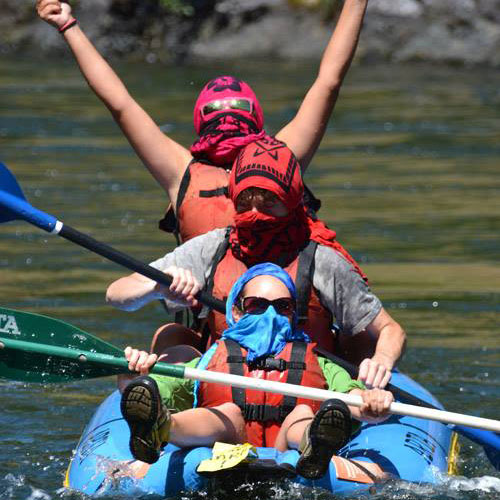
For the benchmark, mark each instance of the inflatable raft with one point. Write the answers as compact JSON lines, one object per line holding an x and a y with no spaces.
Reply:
{"x":404,"y":448}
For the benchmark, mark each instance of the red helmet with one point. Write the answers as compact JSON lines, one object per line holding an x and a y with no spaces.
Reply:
{"x":227,"y":93}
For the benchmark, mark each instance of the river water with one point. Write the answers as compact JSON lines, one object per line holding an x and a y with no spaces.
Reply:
{"x":408,"y":175}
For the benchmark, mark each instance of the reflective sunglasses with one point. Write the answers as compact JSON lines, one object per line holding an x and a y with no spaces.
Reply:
{"x":258,"y":305}
{"x":228,"y":103}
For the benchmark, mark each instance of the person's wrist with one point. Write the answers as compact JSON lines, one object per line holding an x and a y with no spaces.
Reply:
{"x":67,"y":25}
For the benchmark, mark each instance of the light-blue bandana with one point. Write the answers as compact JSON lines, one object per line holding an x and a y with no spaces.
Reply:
{"x":262,"y":334}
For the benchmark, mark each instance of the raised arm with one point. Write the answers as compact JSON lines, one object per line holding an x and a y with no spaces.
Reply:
{"x":165,"y":159}
{"x":305,"y":132}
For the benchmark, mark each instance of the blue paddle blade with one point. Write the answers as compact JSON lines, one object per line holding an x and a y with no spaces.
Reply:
{"x":8,"y":183}
{"x":14,"y":206}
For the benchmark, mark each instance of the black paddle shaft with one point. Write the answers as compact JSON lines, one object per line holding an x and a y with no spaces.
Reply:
{"x":124,"y":260}
{"x":354,"y":372}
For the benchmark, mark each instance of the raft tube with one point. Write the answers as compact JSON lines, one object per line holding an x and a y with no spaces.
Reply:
{"x":405,"y":448}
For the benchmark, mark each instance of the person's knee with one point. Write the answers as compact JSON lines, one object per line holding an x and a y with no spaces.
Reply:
{"x":233,"y":421}
{"x":303,"y":409}
{"x":300,"y":412}
{"x":232,"y":411}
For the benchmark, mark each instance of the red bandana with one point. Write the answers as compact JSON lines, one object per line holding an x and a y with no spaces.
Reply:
{"x":257,"y":237}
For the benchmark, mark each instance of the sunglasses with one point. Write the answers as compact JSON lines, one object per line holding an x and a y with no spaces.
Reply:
{"x":229,"y":103}
{"x":262,"y":196}
{"x":259,"y":305}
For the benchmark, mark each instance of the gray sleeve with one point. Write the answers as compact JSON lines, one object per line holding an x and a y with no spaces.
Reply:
{"x":343,"y":291}
{"x":197,"y":255}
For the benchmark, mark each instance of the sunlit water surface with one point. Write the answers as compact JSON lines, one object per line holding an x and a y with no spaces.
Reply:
{"x":408,"y":176}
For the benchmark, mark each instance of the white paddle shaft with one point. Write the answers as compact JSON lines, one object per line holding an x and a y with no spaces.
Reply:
{"x":350,"y":399}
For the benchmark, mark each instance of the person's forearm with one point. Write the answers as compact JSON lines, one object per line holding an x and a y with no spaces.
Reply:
{"x":131,"y":293}
{"x":390,"y":345}
{"x":304,"y":133}
{"x":342,"y":45}
{"x":165,"y":158}
{"x":100,"y":76}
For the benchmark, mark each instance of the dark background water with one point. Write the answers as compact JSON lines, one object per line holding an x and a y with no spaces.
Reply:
{"x":408,"y":175}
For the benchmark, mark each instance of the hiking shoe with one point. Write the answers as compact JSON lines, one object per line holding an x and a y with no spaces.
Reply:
{"x":147,"y":417}
{"x":328,"y":432}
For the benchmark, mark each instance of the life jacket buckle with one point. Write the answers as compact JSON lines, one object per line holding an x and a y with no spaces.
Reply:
{"x":269,"y":364}
{"x":277,"y":364}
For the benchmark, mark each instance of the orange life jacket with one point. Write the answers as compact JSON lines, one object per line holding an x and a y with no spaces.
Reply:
{"x":314,"y":318}
{"x":263,"y":412}
{"x":202,"y":202}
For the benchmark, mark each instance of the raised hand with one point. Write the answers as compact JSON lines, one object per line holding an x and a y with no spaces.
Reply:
{"x":54,"y":12}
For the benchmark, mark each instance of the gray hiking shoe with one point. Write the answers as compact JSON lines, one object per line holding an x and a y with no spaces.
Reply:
{"x":327,"y":433}
{"x":147,"y":417}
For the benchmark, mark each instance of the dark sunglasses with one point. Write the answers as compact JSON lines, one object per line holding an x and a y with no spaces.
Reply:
{"x":258,"y":305}
{"x":263,"y":196}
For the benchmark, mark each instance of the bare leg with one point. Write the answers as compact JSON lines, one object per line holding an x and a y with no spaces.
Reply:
{"x":293,"y":428}
{"x":205,"y":426}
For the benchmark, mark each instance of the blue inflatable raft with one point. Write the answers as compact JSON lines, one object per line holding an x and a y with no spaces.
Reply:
{"x":404,"y":448}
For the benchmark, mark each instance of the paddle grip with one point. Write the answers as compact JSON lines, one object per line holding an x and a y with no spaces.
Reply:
{"x":125,"y":260}
{"x":353,"y":371}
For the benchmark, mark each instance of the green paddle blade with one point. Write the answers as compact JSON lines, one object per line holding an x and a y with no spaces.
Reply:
{"x":50,"y":365}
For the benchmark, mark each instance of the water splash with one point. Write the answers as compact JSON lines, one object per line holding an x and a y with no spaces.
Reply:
{"x":488,"y":484}
{"x":120,"y":475}
{"x":37,"y":494}
{"x":447,"y":488}
{"x":261,"y":490}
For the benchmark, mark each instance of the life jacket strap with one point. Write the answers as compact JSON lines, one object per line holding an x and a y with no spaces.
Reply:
{"x":211,"y":193}
{"x":219,"y":255}
{"x":170,"y":222}
{"x":312,"y":203}
{"x":298,"y":354}
{"x":236,"y":368}
{"x":264,"y":413}
{"x":303,"y":281}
